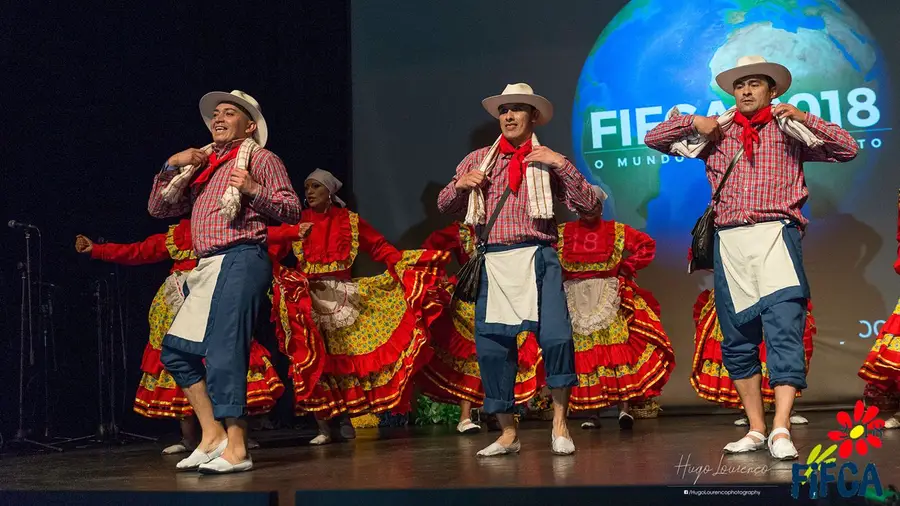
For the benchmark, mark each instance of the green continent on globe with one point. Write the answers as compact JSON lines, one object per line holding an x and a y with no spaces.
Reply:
{"x":656,"y":54}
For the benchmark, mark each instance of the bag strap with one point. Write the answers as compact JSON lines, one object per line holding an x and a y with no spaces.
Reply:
{"x":728,"y":171}
{"x":486,"y":231}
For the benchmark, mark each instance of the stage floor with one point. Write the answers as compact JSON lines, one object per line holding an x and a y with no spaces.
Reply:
{"x":436,"y":457}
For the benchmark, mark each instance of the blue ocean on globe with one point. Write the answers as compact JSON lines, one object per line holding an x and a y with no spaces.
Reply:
{"x":656,"y":54}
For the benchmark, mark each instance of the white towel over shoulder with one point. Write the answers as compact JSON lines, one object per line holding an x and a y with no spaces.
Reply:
{"x":692,"y":145}
{"x":537,"y":177}
{"x":230,"y":202}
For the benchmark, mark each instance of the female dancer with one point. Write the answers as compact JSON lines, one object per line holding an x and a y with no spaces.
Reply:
{"x":158,"y":396}
{"x":622,"y":352}
{"x":373,"y":331}
{"x":452,"y":375}
{"x":881,"y":369}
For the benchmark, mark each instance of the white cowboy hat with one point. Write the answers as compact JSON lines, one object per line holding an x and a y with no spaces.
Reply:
{"x":519,"y":93}
{"x":212,"y":99}
{"x":755,"y":65}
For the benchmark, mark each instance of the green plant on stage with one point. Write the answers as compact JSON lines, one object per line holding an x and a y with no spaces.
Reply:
{"x":429,"y":412}
{"x":388,"y":419}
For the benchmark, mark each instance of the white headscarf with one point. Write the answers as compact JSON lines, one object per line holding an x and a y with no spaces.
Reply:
{"x":330,"y":182}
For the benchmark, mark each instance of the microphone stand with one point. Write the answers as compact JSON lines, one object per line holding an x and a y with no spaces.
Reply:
{"x":49,"y":333}
{"x":21,"y":437}
{"x":109,"y":430}
{"x":26,"y":327}
{"x":101,"y":429}
{"x":115,"y":308}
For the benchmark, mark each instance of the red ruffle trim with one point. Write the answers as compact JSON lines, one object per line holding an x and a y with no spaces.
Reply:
{"x":181,"y":236}
{"x":420,"y":282}
{"x":306,"y":348}
{"x":151,"y":362}
{"x":446,"y":339}
{"x":331,"y":237}
{"x":316,"y":384}
{"x":161,"y":402}
{"x":263,"y":394}
{"x":721,"y":389}
{"x":444,"y":383}
{"x":645,"y":382}
{"x":329,"y":398}
{"x":172,"y":403}
{"x":882,"y":366}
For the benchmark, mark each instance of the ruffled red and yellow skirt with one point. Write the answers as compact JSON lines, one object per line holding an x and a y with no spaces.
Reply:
{"x":363,"y":361}
{"x":159,"y":397}
{"x":628,"y":358}
{"x":452,"y":375}
{"x":881,"y":368}
{"x":708,"y":375}
{"x":297,"y":333}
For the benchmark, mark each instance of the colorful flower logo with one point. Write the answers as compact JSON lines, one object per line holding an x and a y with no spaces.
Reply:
{"x":817,"y":457}
{"x":864,"y":429}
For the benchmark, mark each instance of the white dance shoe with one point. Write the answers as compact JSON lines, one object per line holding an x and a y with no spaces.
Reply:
{"x":221,"y":466}
{"x":198,"y":457}
{"x":752,"y":442}
{"x":562,"y":445}
{"x":782,"y":449}
{"x":179,"y":447}
{"x":467,"y":427}
{"x":321,"y":439}
{"x":496,"y":449}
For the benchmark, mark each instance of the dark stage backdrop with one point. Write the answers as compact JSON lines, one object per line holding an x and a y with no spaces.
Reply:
{"x":613,"y":69}
{"x":95,"y":99}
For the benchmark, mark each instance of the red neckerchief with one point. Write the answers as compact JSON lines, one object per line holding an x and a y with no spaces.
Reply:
{"x":214,"y":163}
{"x":517,"y":163}
{"x":750,"y":134}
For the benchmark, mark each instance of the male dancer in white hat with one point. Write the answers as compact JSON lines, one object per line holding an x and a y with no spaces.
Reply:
{"x":241,"y":186}
{"x":521,"y":286}
{"x":761,"y":287}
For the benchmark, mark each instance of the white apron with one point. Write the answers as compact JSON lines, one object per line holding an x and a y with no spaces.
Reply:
{"x":756,"y":263}
{"x":593,"y":303}
{"x":335,"y":303}
{"x":192,"y":317}
{"x":512,"y":286}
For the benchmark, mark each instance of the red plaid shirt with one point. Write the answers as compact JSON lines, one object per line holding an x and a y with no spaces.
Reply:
{"x":210,"y":231}
{"x":514,"y":225}
{"x":773,"y":186}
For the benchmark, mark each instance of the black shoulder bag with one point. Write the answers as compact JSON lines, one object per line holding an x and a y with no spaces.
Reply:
{"x":469,"y":275}
{"x":704,"y":232}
